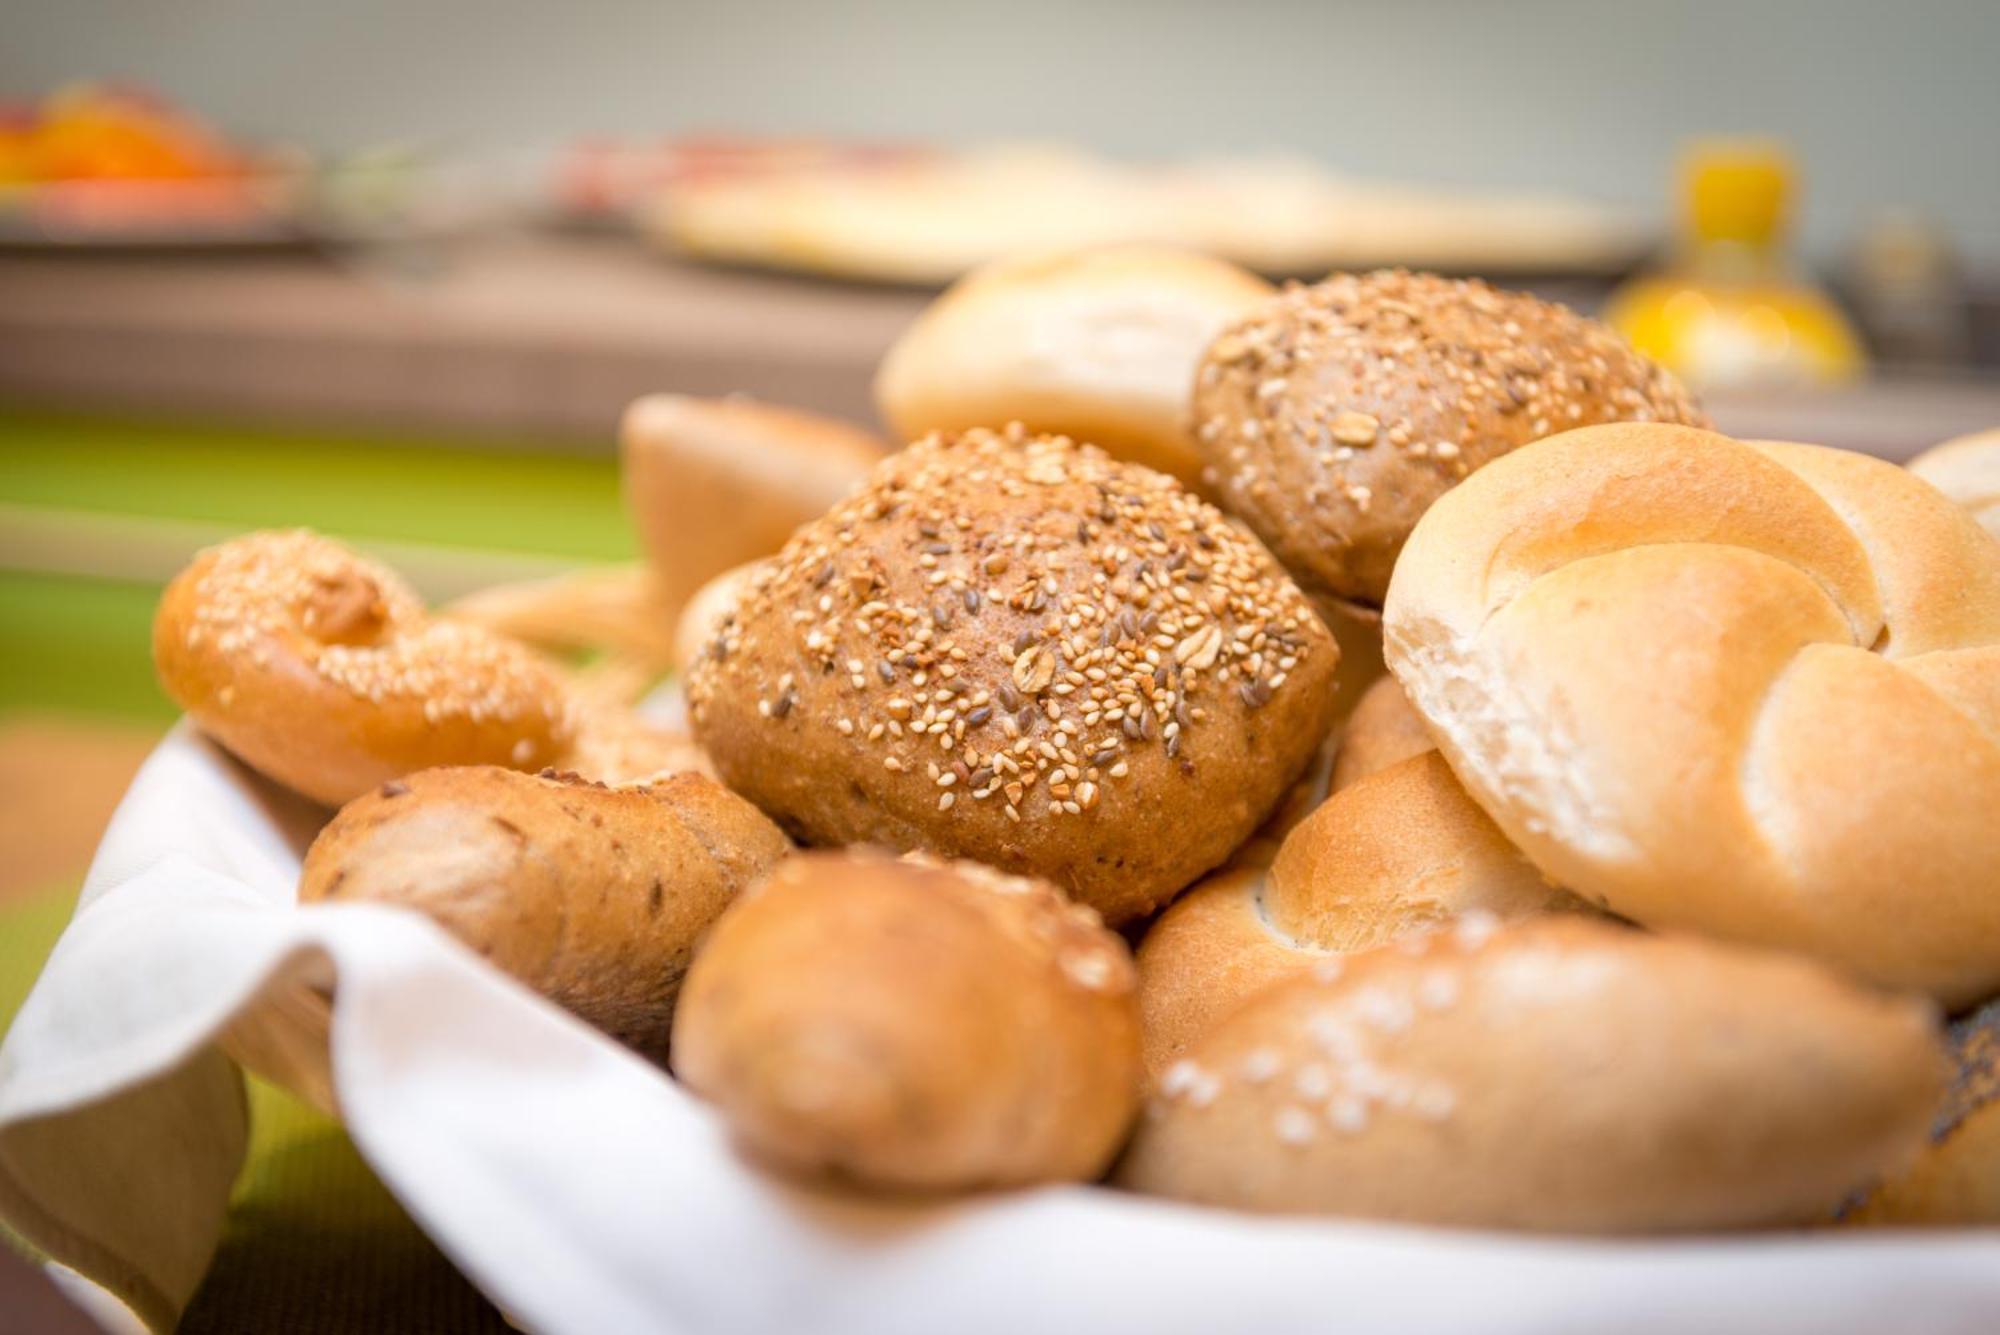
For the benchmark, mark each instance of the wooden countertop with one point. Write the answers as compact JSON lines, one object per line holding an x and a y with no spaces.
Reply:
{"x":547,"y":335}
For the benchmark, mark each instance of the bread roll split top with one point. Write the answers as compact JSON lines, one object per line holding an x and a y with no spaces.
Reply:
{"x":1012,"y":648}
{"x":1558,"y":1075}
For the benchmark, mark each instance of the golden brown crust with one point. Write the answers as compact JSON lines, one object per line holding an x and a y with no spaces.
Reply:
{"x":1014,"y":649}
{"x":593,"y":896}
{"x":322,"y":670}
{"x":1748,"y":689}
{"x":617,"y":745}
{"x":1956,"y":1178}
{"x":1382,"y":731}
{"x":1967,"y":470}
{"x":1556,"y":1075}
{"x":1332,"y":416}
{"x":712,"y":483}
{"x":914,"y":1026}
{"x":1098,"y":344}
{"x":1397,"y":852}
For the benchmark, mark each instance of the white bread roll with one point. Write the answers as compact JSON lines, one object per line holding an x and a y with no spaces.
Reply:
{"x":1098,"y":344}
{"x":1747,"y":689}
{"x":1397,"y":852}
{"x":712,"y":483}
{"x":1967,"y":470}
{"x":1382,"y":731}
{"x":913,"y":1025}
{"x":1559,"y":1075}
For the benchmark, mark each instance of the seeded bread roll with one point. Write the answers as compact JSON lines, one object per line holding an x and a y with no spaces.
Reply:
{"x":323,"y":671}
{"x":1099,"y":344}
{"x":592,"y":896}
{"x":1394,"y":853}
{"x":1562,"y":1075}
{"x":712,"y":483}
{"x":1382,"y":731}
{"x":1332,"y":416}
{"x":914,"y":1026}
{"x":1012,"y":648}
{"x":1956,"y":1178}
{"x":1967,"y":470}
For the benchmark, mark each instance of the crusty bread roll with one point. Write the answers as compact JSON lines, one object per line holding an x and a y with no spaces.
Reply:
{"x":1752,"y":690}
{"x":914,"y":1026}
{"x":1967,"y":470}
{"x":1397,"y":852}
{"x":1956,"y":1177}
{"x":712,"y":483}
{"x":1015,"y":649}
{"x":323,"y":671}
{"x":1560,"y":1075}
{"x":1100,"y":344}
{"x":615,"y":745}
{"x":704,"y":613}
{"x":1382,"y":731}
{"x":593,"y":896}
{"x":1333,"y":415}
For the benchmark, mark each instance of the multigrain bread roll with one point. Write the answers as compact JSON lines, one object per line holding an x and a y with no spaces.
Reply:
{"x":1333,"y":415}
{"x":1749,"y":690}
{"x":1099,"y":344}
{"x":1012,"y":648}
{"x":1956,"y":1177}
{"x":1563,"y":1075}
{"x":1382,"y":731}
{"x":1397,"y":852}
{"x":322,"y":670}
{"x":914,"y":1026}
{"x":712,"y":483}
{"x":593,"y":896}
{"x":1967,"y":470}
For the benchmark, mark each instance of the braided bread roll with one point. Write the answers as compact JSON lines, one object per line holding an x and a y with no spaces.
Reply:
{"x":1748,"y":689}
{"x":322,"y":670}
{"x":912,"y":1025}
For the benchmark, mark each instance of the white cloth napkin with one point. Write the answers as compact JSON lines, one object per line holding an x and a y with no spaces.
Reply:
{"x":583,"y":1191}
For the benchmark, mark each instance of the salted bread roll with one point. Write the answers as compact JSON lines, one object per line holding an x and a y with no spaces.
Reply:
{"x":1561,"y":1075}
{"x":712,"y":483}
{"x":1967,"y":470}
{"x":1397,"y":852}
{"x":914,"y":1026}
{"x":1100,"y":344}
{"x":1956,"y":1177}
{"x":1331,"y":416}
{"x":1015,"y":649}
{"x":593,"y":896}
{"x":1382,"y":731}
{"x":322,"y":670}
{"x":1751,"y":690}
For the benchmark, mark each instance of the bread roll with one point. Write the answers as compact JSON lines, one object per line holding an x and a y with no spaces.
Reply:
{"x":592,"y":896}
{"x":322,"y":670}
{"x":712,"y":483}
{"x":1397,"y":852}
{"x":1382,"y":731}
{"x":1562,"y":1075}
{"x":1100,"y":344}
{"x":914,"y":1026}
{"x":1967,"y":470}
{"x":1333,"y":415}
{"x":1012,"y":648}
{"x":1956,"y":1177}
{"x":1750,"y":690}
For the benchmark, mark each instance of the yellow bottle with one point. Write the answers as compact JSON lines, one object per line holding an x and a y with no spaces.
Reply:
{"x":1732,"y":309}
